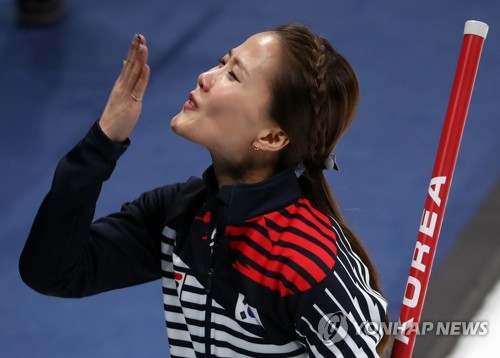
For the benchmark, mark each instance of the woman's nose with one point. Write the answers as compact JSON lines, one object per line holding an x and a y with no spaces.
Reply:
{"x":203,"y":81}
{"x":206,"y":79}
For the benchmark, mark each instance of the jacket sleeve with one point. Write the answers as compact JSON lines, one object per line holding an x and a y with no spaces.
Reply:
{"x":66,"y":254}
{"x":339,"y":317}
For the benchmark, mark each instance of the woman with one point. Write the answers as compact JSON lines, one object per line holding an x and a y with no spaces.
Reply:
{"x":255,"y":261}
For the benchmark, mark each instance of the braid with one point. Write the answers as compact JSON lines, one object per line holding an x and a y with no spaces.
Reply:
{"x":319,"y":58}
{"x":319,"y":133}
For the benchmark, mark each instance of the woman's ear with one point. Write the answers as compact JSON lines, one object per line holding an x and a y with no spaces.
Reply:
{"x":272,"y":139}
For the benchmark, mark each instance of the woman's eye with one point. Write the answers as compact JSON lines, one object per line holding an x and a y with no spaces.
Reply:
{"x":233,"y":75}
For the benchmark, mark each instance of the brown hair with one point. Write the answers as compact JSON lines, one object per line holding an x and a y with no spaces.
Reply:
{"x":316,"y":93}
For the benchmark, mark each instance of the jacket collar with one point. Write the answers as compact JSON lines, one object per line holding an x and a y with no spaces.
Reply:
{"x":246,"y":201}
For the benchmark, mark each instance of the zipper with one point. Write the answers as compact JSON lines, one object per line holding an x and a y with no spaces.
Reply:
{"x":208,"y":312}
{"x":208,"y":285}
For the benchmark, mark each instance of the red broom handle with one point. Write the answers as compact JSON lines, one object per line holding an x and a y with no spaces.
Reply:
{"x":442,"y":175}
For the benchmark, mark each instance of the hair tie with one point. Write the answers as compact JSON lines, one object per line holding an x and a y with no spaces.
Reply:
{"x":328,"y":164}
{"x":331,"y":162}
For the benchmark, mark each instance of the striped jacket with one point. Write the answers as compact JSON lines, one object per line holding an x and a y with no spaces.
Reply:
{"x":247,"y":270}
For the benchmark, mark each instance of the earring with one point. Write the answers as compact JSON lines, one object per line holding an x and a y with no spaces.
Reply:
{"x":255,"y":147}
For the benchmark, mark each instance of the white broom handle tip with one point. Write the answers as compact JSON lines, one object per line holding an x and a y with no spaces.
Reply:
{"x":473,"y":27}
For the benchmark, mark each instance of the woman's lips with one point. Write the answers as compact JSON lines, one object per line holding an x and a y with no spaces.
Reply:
{"x":191,"y":103}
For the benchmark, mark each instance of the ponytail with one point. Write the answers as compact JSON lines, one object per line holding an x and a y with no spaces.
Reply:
{"x":315,"y":96}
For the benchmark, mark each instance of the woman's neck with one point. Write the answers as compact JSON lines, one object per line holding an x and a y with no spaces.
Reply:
{"x":227,"y":175}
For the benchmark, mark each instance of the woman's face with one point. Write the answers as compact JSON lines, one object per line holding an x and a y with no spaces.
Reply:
{"x":228,"y":109}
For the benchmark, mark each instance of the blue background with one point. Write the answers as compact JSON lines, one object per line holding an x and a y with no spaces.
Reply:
{"x":55,"y":82}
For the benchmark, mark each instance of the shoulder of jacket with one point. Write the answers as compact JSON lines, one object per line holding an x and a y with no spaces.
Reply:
{"x":186,"y":203}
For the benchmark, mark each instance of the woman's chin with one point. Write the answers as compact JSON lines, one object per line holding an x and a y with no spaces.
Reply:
{"x":178,"y":123}
{"x":183,"y":126}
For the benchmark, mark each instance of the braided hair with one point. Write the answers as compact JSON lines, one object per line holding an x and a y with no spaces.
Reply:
{"x":315,"y":96}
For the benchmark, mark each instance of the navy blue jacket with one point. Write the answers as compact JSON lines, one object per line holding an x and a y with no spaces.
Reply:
{"x":247,"y":270}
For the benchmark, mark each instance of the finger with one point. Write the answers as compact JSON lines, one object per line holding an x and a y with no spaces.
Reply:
{"x":134,"y":49}
{"x":142,"y":83}
{"x":142,"y":39}
{"x":136,"y":71}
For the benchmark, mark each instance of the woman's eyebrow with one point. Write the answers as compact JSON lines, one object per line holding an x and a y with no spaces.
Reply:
{"x":237,"y":61}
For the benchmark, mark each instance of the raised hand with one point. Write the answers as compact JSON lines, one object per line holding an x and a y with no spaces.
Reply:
{"x":125,"y":101}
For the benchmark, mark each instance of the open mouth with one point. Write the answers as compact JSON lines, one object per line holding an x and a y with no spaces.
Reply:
{"x":192,"y":101}
{"x":190,"y":104}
